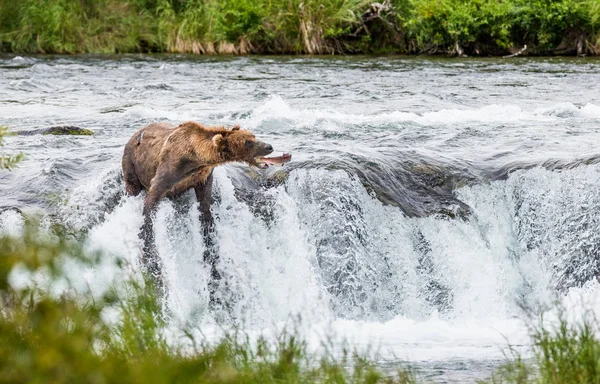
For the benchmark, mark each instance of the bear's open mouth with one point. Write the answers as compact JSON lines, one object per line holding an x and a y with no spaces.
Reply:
{"x":263,"y":161}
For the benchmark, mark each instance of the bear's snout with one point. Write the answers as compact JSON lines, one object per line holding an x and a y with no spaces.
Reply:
{"x":263,"y":149}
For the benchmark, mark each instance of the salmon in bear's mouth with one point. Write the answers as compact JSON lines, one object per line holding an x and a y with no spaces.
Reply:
{"x":263,"y":161}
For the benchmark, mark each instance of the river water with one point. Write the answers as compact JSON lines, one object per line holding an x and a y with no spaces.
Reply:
{"x":429,"y":205}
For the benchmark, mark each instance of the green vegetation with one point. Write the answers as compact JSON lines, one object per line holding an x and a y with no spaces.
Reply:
{"x":563,"y":353}
{"x":547,"y":26}
{"x":472,"y":27}
{"x":7,"y":162}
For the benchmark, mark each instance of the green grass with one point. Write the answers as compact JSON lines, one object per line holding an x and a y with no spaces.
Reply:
{"x":563,"y":352}
{"x":479,"y":27}
{"x":8,"y":161}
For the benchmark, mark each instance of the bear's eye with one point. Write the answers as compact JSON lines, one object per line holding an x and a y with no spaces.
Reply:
{"x":248,"y":144}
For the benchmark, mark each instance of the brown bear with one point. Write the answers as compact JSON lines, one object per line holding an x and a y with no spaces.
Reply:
{"x":167,"y":161}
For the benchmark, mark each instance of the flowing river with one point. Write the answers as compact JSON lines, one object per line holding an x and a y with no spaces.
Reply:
{"x":430,"y":203}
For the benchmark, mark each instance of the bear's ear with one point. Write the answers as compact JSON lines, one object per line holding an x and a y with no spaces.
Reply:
{"x":218,"y":140}
{"x":235,"y":128}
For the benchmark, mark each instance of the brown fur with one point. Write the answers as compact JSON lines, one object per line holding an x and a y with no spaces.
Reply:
{"x":167,"y":161}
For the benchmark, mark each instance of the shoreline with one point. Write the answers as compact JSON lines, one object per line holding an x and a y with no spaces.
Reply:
{"x":455,"y":28}
{"x":290,"y":56}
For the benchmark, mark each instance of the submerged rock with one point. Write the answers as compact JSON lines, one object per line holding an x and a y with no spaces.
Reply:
{"x":9,"y":208}
{"x":58,"y":130}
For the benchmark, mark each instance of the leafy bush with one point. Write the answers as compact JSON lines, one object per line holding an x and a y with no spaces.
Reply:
{"x":295,"y":26}
{"x":237,"y":19}
{"x":545,"y":22}
{"x":9,"y":16}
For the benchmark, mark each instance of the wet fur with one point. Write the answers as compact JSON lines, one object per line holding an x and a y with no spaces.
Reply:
{"x":166,"y":161}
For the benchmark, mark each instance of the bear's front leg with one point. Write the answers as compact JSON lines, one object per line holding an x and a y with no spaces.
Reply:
{"x":211,"y":255}
{"x":161,"y":183}
{"x":204,"y":197}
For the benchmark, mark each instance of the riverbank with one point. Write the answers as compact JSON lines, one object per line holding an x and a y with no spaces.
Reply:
{"x":447,"y":27}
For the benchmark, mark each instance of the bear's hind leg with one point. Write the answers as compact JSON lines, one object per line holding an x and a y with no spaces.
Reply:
{"x":133,"y":186}
{"x":150,"y":258}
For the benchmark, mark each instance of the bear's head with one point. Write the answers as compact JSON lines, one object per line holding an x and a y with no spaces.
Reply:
{"x":241,"y":145}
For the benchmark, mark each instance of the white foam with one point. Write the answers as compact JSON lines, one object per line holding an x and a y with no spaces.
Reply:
{"x":11,"y":223}
{"x":179,"y":242}
{"x":435,"y":339}
{"x":277,"y":108}
{"x":269,"y":264}
{"x":169,"y":113}
{"x":566,"y":110}
{"x":591,"y":110}
{"x":86,"y":203}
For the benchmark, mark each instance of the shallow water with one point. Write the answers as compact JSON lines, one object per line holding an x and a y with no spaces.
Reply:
{"x":428,"y":200}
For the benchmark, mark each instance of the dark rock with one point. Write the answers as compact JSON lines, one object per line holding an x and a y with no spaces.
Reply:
{"x":10,"y":208}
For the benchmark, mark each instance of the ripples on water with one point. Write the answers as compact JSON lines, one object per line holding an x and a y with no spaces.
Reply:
{"x":427,"y":200}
